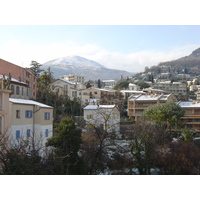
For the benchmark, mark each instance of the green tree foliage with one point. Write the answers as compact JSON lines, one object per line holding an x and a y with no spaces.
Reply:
{"x":66,"y":144}
{"x":142,"y":84}
{"x":36,"y":68}
{"x":165,"y":114}
{"x":122,"y":84}
{"x":143,"y":147}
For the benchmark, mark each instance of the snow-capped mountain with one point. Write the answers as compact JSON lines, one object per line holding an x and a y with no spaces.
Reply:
{"x":81,"y":66}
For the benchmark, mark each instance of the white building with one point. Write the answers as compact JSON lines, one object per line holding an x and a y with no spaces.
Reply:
{"x":106,"y":117}
{"x":109,"y":83}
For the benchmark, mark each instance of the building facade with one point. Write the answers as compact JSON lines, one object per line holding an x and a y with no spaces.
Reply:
{"x":106,"y":117}
{"x":73,"y":78}
{"x":30,"y":120}
{"x":138,"y":103}
{"x":21,"y":74}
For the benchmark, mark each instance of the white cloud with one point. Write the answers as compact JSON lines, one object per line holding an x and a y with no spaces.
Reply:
{"x":14,"y":52}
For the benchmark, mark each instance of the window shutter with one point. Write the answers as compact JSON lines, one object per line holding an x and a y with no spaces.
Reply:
{"x":26,"y":113}
{"x":46,"y":132}
{"x":17,"y":134}
{"x":28,"y":132}
{"x":31,"y":113}
{"x":48,"y":115}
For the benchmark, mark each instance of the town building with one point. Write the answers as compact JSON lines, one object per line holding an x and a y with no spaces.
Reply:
{"x":134,"y":87}
{"x":67,"y":89}
{"x":105,"y":117}
{"x":4,"y":116}
{"x":104,"y":96}
{"x":18,"y":88}
{"x":138,"y":103}
{"x":21,"y":74}
{"x":30,"y":120}
{"x":177,"y":88}
{"x":109,"y":83}
{"x":192,"y":114}
{"x":73,"y":78}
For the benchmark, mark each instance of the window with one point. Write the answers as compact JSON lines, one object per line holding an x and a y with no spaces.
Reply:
{"x":17,"y":90}
{"x":17,"y":114}
{"x":46,"y":132}
{"x":26,"y":91}
{"x":28,"y":113}
{"x":47,"y":116}
{"x":107,"y":125}
{"x":89,"y":116}
{"x":90,"y":125}
{"x":28,"y":133}
{"x":12,"y":89}
{"x":107,"y":116}
{"x":116,"y":116}
{"x":17,"y":134}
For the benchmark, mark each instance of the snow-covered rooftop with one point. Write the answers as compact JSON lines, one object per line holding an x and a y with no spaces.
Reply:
{"x":67,"y":81}
{"x":186,"y":104}
{"x":94,"y":107}
{"x":149,"y":97}
{"x":133,"y":91}
{"x":13,"y":80}
{"x":28,"y":102}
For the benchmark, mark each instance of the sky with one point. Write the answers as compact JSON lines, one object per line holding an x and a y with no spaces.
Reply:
{"x":124,"y":47}
{"x":117,"y":34}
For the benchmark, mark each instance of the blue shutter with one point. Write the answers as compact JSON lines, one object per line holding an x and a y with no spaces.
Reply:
{"x":17,"y":134}
{"x":31,"y":113}
{"x":28,"y":133}
{"x":47,"y":133}
{"x":26,"y":113}
{"x":48,"y":115}
{"x":44,"y":116}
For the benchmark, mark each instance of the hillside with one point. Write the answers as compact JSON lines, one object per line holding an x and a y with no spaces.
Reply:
{"x":81,"y":66}
{"x":188,"y":64}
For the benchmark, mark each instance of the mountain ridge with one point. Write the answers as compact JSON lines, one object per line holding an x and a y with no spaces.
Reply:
{"x":78,"y":65}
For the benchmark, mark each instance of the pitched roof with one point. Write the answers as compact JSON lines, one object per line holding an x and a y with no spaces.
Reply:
{"x":94,"y":107}
{"x":29,"y":102}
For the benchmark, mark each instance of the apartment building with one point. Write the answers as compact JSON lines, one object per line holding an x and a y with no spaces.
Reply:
{"x":21,"y":74}
{"x":30,"y":120}
{"x":138,"y":103}
{"x":106,"y":117}
{"x":177,"y":88}
{"x":73,"y":78}
{"x":192,"y":113}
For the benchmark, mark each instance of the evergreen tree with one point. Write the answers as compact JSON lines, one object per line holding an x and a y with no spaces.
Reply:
{"x":66,"y":143}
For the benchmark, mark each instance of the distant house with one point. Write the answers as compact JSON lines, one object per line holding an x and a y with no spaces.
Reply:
{"x":132,"y":86}
{"x":109,"y":83}
{"x":31,"y":120}
{"x":105,"y":96}
{"x":73,"y":78}
{"x":66,"y":88}
{"x":106,"y":117}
